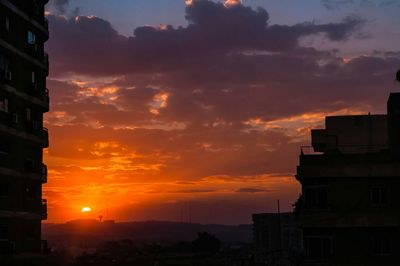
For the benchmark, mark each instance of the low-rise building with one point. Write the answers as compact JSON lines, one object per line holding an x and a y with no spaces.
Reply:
{"x":277,"y":239}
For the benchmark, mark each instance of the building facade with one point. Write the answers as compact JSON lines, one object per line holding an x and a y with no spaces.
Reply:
{"x":276,"y":238}
{"x":23,"y":101}
{"x":350,"y":178}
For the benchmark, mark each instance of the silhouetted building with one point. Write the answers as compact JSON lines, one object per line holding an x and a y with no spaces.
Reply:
{"x":23,"y":100}
{"x":277,"y":239}
{"x":350,"y":202}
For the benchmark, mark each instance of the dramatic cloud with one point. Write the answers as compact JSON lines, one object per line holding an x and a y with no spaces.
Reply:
{"x":63,"y":8}
{"x":214,"y":32}
{"x":212,"y":111}
{"x":60,"y":5}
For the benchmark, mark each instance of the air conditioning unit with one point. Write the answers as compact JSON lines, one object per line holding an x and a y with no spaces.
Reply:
{"x":15,"y":118}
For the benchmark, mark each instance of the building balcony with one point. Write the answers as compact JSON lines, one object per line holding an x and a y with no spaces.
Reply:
{"x":37,"y":91}
{"x":46,"y":23}
{"x":44,"y":209}
{"x":44,"y":174}
{"x":45,"y":137}
{"x":46,"y":95}
{"x":343,"y":149}
{"x":46,"y":62}
{"x":33,"y":126}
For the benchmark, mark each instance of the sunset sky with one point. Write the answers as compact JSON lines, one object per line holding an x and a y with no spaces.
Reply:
{"x":196,"y":110}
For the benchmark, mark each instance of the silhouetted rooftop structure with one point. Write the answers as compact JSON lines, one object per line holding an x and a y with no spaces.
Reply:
{"x":350,"y":178}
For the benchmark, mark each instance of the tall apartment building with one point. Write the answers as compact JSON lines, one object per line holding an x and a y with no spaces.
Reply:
{"x":23,"y":100}
{"x":349,"y":211}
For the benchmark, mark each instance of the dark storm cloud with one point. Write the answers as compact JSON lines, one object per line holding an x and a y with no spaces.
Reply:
{"x":89,"y":45}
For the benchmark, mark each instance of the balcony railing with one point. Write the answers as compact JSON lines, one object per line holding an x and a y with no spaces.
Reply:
{"x":345,"y":149}
{"x":46,"y":137}
{"x":46,"y":95}
{"x":46,"y":62}
{"x":44,"y":209}
{"x":44,"y":174}
{"x":46,"y":23}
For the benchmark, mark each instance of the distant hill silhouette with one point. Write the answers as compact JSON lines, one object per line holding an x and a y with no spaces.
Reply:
{"x":89,"y":233}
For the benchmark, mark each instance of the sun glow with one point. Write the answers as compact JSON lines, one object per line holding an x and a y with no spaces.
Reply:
{"x":86,"y":209}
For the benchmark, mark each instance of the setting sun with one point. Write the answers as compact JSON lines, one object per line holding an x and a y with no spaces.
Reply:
{"x":86,"y":209}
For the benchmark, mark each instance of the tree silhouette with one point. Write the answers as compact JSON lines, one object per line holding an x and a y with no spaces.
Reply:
{"x":206,"y":242}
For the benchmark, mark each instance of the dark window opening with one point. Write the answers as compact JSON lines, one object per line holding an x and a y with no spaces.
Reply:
{"x":379,"y":195}
{"x":5,"y":148}
{"x":4,"y":104}
{"x":6,"y":23}
{"x":316,"y":197}
{"x":318,"y":247}
{"x":31,"y":231}
{"x":35,"y":7}
{"x":381,"y":244}
{"x":5,"y":73}
{"x":3,"y":233}
{"x":4,"y":190}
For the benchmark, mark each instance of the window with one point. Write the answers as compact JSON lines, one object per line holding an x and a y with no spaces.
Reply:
{"x":5,"y":73}
{"x":31,"y":38}
{"x":381,"y":244}
{"x":4,"y":105}
{"x":35,"y":7}
{"x":318,"y":247}
{"x":33,"y":77}
{"x":3,"y":233}
{"x":316,"y":196}
{"x":28,"y":114}
{"x":31,"y":231}
{"x":7,"y":23}
{"x":4,"y":148}
{"x":4,"y":190}
{"x":379,"y":195}
{"x":4,"y":63}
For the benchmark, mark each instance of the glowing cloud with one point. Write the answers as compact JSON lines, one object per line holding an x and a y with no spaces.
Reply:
{"x":230,"y":3}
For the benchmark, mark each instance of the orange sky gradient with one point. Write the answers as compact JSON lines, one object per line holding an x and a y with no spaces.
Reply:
{"x":201,"y":120}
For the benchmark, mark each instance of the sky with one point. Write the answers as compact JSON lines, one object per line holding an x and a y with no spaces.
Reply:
{"x":196,"y":110}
